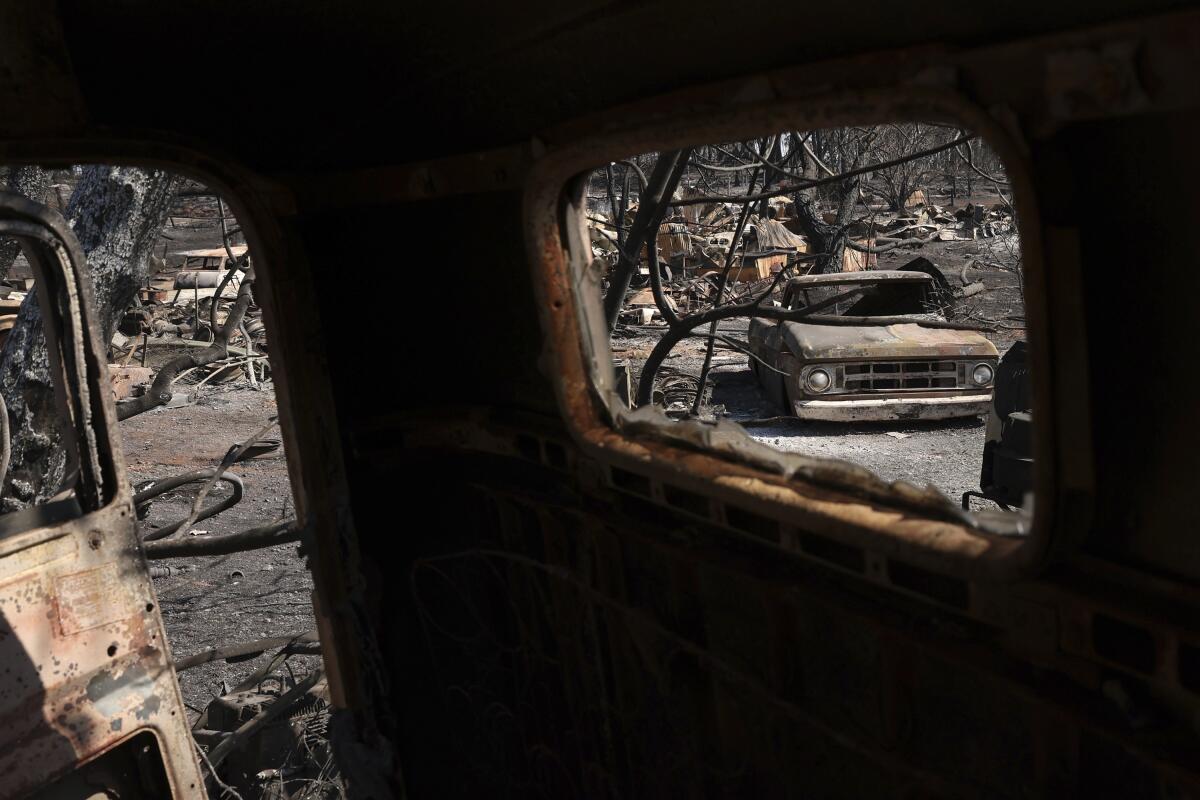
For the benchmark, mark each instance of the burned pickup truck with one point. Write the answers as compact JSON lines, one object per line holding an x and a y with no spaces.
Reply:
{"x":877,"y":348}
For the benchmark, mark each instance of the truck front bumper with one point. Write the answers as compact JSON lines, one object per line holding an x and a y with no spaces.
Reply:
{"x":893,"y":408}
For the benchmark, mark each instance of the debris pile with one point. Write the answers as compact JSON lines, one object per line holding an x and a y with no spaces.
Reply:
{"x":675,"y":390}
{"x":693,"y":245}
{"x":267,"y":737}
{"x":188,"y":305}
{"x":925,"y":223}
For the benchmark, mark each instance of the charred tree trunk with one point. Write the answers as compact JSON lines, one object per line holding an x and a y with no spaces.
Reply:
{"x":825,"y":237}
{"x":822,"y":237}
{"x":771,"y":175}
{"x":117,"y":214}
{"x":31,"y":182}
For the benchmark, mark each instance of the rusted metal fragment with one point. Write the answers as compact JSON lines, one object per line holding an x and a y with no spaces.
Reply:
{"x":85,"y":659}
{"x":90,"y":598}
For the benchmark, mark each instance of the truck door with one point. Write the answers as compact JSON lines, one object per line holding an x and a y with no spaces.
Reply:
{"x":89,"y":706}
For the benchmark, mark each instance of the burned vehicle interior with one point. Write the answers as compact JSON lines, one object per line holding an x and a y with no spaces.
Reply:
{"x":467,"y":409}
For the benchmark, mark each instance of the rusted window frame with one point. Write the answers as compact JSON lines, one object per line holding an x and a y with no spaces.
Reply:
{"x":878,"y":528}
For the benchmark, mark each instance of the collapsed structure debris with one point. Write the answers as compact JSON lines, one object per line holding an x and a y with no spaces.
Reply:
{"x":201,"y":300}
{"x":691,"y":247}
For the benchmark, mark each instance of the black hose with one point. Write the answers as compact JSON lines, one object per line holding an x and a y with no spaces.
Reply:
{"x":167,"y":484}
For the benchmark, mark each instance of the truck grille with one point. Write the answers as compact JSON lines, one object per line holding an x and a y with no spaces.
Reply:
{"x":879,"y":376}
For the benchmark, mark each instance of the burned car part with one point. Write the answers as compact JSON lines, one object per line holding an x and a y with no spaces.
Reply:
{"x":1006,"y":477}
{"x":886,"y":361}
{"x":266,"y":738}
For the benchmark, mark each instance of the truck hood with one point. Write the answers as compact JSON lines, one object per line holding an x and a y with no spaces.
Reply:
{"x":907,"y":340}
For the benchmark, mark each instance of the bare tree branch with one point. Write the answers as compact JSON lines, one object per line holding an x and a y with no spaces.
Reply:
{"x":790,"y":188}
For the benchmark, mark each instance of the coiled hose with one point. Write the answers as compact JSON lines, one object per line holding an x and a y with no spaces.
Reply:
{"x":167,"y":484}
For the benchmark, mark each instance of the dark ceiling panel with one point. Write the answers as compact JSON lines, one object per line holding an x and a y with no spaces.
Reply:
{"x":359,"y":83}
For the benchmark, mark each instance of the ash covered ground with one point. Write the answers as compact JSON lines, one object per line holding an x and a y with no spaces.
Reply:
{"x":221,"y":600}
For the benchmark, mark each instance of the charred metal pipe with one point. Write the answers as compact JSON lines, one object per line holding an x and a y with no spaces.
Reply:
{"x":288,"y":701}
{"x":160,"y":571}
{"x":167,"y":484}
{"x":203,"y":279}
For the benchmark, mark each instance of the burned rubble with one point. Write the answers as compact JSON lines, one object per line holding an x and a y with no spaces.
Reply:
{"x":708,"y":270}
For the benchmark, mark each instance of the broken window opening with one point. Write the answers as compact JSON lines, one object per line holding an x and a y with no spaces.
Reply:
{"x":171,"y":282}
{"x":841,"y":295}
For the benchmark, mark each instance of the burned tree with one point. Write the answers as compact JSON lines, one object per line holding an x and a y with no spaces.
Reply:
{"x":898,"y":182}
{"x":653,"y":205}
{"x":116,"y":213}
{"x":27,"y":181}
{"x":846,"y":149}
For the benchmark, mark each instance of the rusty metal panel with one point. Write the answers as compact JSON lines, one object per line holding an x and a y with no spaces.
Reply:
{"x":86,"y":664}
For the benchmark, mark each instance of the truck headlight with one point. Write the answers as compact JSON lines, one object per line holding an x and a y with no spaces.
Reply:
{"x":818,"y":381}
{"x":981,"y":375}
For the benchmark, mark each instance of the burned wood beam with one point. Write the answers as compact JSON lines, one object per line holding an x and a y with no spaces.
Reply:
{"x":239,"y":652}
{"x":255,"y":538}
